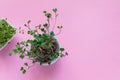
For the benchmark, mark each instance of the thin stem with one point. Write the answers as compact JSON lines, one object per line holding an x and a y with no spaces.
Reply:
{"x":28,"y":26}
{"x":58,"y":32}
{"x":31,"y":66}
{"x":48,"y":25}
{"x":51,"y":49}
{"x":40,"y":50}
{"x":55,"y":21}
{"x":37,"y":29}
{"x":24,"y":47}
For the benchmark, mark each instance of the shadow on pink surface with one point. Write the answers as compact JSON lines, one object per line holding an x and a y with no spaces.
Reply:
{"x":51,"y":70}
{"x":37,"y":71}
{"x":4,"y":52}
{"x":45,"y":72}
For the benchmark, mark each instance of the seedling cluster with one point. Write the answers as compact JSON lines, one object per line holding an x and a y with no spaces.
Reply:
{"x":6,"y":32}
{"x":44,"y":47}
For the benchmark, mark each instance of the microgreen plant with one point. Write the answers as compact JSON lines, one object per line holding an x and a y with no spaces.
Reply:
{"x":6,"y":32}
{"x":44,"y":47}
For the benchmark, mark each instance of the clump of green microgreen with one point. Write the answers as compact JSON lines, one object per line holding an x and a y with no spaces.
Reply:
{"x":6,"y":32}
{"x":44,"y":48}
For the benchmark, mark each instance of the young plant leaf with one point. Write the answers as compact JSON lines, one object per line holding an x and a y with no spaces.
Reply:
{"x":55,"y":10}
{"x":16,"y":51}
{"x":21,"y":56}
{"x":52,"y":33}
{"x":62,"y":49}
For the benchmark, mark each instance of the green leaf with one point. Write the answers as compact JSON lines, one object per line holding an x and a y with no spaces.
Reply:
{"x":62,"y":55}
{"x":16,"y":51}
{"x":29,"y":41}
{"x":48,"y":15}
{"x":52,"y":33}
{"x":21,"y":56}
{"x":59,"y":27}
{"x":61,"y":49}
{"x":54,"y":40}
{"x":45,"y":25}
{"x":32,"y":32}
{"x":42,"y":59}
{"x":46,"y":36}
{"x":55,"y":10}
{"x":29,"y":21}
{"x":40,"y":62}
{"x":19,"y":49}
{"x":28,"y":53}
{"x":10,"y":54}
{"x":56,"y":55}
{"x":21,"y":68}
{"x":66,"y":53}
{"x":24,"y":71}
{"x":34,"y":41}
{"x":25,"y":25}
{"x":42,"y":44}
{"x":49,"y":63}
{"x":26,"y":64}
{"x":44,"y":11}
{"x":33,"y":61}
{"x":43,"y":30}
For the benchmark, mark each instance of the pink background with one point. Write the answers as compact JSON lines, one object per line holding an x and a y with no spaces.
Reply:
{"x":91,"y":35}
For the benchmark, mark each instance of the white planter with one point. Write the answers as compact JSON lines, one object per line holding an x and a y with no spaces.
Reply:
{"x":52,"y":62}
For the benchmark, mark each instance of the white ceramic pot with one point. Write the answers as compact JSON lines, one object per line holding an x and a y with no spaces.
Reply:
{"x":52,"y":62}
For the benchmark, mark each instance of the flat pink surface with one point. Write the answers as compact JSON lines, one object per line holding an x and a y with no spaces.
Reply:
{"x":91,"y":35}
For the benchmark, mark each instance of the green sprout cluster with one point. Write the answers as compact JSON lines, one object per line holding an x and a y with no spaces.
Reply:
{"x":6,"y":32}
{"x":44,"y":47}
